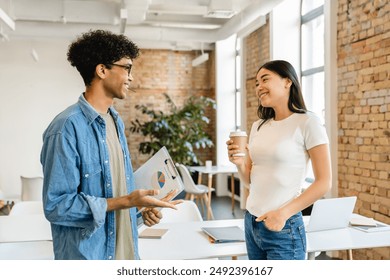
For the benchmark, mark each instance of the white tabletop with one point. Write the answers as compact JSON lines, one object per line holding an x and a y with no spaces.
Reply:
{"x":31,"y":250}
{"x":345,"y":239}
{"x":188,"y":241}
{"x":25,"y":237}
{"x":21,"y":228}
{"x":214,"y":169}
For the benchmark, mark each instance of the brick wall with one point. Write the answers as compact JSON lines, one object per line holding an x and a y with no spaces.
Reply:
{"x":363,"y":46}
{"x":163,"y":71}
{"x":257,"y":52}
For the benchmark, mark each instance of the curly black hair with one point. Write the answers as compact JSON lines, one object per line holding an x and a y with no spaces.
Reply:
{"x":99,"y":47}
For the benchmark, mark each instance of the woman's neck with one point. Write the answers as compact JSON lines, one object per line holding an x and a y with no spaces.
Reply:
{"x":282,"y":114}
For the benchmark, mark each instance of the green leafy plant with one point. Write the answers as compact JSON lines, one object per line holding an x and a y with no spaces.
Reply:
{"x":180,"y":130}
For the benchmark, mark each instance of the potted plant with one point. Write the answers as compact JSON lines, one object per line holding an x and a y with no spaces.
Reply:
{"x":180,"y":130}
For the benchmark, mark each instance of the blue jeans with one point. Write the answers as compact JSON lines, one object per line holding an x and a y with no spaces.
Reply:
{"x":264,"y":244}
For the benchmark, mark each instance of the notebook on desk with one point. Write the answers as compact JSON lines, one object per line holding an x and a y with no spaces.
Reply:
{"x":331,"y":213}
{"x":225,"y":234}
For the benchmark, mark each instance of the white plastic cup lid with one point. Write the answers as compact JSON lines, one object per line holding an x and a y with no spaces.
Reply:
{"x":237,"y":133}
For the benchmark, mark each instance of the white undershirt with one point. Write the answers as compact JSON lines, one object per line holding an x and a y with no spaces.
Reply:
{"x":279,"y":154}
{"x":124,"y":247}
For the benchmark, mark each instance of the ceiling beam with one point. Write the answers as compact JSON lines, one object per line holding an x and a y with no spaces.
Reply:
{"x":7,"y":19}
{"x":68,"y":20}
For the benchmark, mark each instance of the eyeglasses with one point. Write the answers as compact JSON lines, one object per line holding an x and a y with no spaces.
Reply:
{"x":127,"y":67}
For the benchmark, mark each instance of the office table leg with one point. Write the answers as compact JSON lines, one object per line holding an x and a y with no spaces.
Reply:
{"x":209,"y":184}
{"x":199,"y":178}
{"x":349,"y":253}
{"x":210,"y":214}
{"x":311,"y":255}
{"x":233,"y":191}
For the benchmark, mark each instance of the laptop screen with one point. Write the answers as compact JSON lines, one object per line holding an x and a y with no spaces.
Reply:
{"x":331,"y":213}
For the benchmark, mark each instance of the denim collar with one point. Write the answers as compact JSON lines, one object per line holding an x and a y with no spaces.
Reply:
{"x":90,"y":113}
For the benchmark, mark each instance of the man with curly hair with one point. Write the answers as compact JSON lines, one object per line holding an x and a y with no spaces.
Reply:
{"x":89,"y":195}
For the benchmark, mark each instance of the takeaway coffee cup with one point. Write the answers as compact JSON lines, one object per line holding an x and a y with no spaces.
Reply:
{"x":239,"y":138}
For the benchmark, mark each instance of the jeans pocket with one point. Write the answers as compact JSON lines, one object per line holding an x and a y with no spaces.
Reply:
{"x":285,"y":230}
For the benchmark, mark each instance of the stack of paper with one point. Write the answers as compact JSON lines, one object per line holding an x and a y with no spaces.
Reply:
{"x":368,"y":224}
{"x":362,"y":221}
{"x":154,"y":233}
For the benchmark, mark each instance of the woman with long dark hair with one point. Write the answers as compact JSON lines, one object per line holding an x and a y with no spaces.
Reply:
{"x":281,"y":144}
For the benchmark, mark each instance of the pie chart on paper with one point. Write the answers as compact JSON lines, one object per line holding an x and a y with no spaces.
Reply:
{"x":160,"y":179}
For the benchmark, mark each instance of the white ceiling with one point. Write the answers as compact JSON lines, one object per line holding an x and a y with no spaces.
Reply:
{"x":171,"y":24}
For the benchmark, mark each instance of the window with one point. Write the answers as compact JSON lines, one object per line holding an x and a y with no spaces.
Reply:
{"x":312,"y":55}
{"x":238,"y":92}
{"x":312,"y":59}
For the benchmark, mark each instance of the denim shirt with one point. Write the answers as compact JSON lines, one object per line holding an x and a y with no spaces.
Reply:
{"x":77,"y":182}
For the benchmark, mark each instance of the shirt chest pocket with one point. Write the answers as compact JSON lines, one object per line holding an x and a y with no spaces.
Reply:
{"x":91,"y":179}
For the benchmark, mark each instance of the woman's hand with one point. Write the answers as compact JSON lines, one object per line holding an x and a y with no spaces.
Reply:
{"x":233,"y":149}
{"x":273,"y":220}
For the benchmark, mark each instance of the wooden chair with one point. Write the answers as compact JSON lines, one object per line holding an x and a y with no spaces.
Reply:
{"x":196,"y":192}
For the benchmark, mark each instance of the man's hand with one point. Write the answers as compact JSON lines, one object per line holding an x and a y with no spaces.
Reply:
{"x":151,"y":216}
{"x":142,"y":199}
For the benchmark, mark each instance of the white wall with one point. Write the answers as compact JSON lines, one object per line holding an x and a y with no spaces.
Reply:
{"x":32,"y":93}
{"x":285,"y":33}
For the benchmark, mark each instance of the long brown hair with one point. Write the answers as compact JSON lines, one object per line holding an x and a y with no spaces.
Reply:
{"x":296,"y":103}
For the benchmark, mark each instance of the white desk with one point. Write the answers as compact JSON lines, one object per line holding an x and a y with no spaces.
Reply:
{"x":20,"y":228}
{"x":344,"y":239}
{"x":25,"y":237}
{"x":187,"y":241}
{"x":231,"y":169}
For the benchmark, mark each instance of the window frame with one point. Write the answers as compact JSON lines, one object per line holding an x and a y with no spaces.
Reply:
{"x":306,"y":19}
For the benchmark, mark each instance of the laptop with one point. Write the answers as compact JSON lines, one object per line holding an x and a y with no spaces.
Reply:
{"x":331,"y":213}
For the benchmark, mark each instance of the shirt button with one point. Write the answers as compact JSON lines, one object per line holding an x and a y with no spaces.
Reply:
{"x":111,"y":232}
{"x":86,"y":175}
{"x":108,"y":185}
{"x":106,"y":161}
{"x":109,"y":257}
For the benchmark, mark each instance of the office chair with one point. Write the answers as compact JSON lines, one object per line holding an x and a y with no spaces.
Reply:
{"x":194,"y":191}
{"x":32,"y":188}
{"x":186,"y":212}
